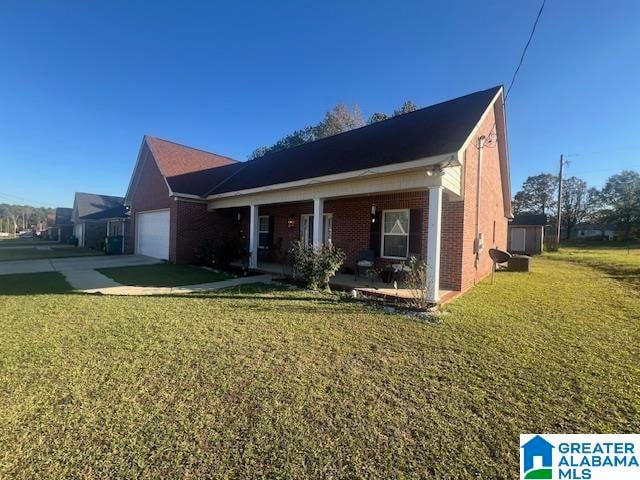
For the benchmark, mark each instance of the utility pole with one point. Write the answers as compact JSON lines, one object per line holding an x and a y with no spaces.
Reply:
{"x":558,"y":217}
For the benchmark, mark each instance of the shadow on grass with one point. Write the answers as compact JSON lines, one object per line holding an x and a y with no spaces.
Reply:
{"x":45,"y":283}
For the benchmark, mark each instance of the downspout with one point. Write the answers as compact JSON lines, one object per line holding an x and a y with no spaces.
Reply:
{"x":478,"y":243}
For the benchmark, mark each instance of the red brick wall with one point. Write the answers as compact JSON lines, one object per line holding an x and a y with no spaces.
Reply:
{"x":191,"y":226}
{"x":491,"y":208}
{"x":150,"y":192}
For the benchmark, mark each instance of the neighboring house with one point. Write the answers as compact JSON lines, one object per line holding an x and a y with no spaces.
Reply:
{"x":589,"y":231}
{"x":61,"y":228}
{"x":526,"y":233}
{"x":432,"y":183}
{"x":96,"y":217}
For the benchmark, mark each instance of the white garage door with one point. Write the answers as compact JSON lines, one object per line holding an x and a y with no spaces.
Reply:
{"x":152,"y":234}
{"x":78,"y":233}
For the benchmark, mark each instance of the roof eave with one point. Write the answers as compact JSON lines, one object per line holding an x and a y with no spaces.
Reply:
{"x":447,"y":159}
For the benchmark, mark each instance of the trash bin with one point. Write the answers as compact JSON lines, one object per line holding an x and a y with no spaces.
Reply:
{"x":519,"y":263}
{"x":114,"y":245}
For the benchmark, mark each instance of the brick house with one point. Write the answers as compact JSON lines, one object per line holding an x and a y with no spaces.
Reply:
{"x":432,"y":183}
{"x":96,"y":217}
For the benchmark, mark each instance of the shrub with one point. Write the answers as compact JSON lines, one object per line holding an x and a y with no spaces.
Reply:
{"x":415,"y":279}
{"x":221,"y":252}
{"x":318,"y":265}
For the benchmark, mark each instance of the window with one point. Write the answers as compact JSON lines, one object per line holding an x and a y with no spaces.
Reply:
{"x":395,"y":233}
{"x":263,"y":231}
{"x":306,"y":228}
{"x":115,"y":229}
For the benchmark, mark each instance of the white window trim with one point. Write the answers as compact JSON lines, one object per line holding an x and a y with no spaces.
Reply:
{"x":382,"y":234}
{"x":260,"y":218}
{"x":308,"y":217}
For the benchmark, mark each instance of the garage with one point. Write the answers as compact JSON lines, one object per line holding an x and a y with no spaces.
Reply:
{"x":152,"y":234}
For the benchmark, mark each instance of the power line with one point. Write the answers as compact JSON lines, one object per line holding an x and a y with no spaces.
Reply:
{"x":490,"y":143}
{"x":600,"y":152}
{"x":14,"y":198}
{"x":524,"y":51}
{"x":619,"y":168}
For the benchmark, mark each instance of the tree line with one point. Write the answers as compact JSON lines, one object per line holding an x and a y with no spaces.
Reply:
{"x":337,"y":120}
{"x":15,"y":218}
{"x":616,"y":204}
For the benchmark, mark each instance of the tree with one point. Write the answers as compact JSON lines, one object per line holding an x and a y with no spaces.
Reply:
{"x":21,"y":217}
{"x":578,"y":202}
{"x":406,"y":107}
{"x":537,"y":194}
{"x":621,"y":200}
{"x":377,"y":117}
{"x":337,"y":120}
{"x":258,"y":152}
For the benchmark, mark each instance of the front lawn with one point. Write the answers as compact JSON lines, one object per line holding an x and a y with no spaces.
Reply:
{"x":271,"y":382}
{"x":162,"y":275}
{"x":619,"y":260}
{"x":32,"y":253}
{"x":33,"y":284}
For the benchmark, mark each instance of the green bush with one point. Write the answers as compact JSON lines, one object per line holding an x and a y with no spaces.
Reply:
{"x":318,"y":265}
{"x":220,"y":253}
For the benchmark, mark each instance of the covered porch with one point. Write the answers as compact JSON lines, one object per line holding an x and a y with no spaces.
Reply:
{"x":391,"y":218}
{"x":363,"y":284}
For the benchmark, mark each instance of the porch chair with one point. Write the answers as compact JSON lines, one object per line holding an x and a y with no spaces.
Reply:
{"x":366,"y":260}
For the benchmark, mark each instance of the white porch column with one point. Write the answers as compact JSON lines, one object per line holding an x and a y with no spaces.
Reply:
{"x":253,"y":236}
{"x":433,"y":243}
{"x":318,"y":215}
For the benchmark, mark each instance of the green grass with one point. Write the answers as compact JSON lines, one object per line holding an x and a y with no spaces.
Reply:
{"x":620,"y":261}
{"x":162,"y":275}
{"x":260,"y":382}
{"x":33,"y":284}
{"x":30,"y":253}
{"x":15,"y":242}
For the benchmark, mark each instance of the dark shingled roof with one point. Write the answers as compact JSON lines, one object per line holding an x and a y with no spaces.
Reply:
{"x":119,"y":211}
{"x":199,"y":183}
{"x":91,"y":206}
{"x":435,"y":130}
{"x":529,"y":219}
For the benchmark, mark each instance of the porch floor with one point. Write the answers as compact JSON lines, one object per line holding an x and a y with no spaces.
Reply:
{"x":362,"y":284}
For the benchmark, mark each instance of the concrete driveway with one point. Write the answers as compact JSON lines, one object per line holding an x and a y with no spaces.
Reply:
{"x":74,"y":263}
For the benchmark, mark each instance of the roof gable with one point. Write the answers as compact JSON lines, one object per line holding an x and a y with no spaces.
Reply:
{"x":175,"y":159}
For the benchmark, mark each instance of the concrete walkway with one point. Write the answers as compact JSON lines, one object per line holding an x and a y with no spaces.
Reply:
{"x":84,"y":280}
{"x":201,"y":287}
{"x":81,"y":273}
{"x":74,"y":263}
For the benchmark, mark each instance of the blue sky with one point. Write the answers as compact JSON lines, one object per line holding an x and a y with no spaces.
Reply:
{"x":81,"y":82}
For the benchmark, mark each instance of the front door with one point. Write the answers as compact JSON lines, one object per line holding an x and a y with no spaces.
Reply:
{"x":306,"y":228}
